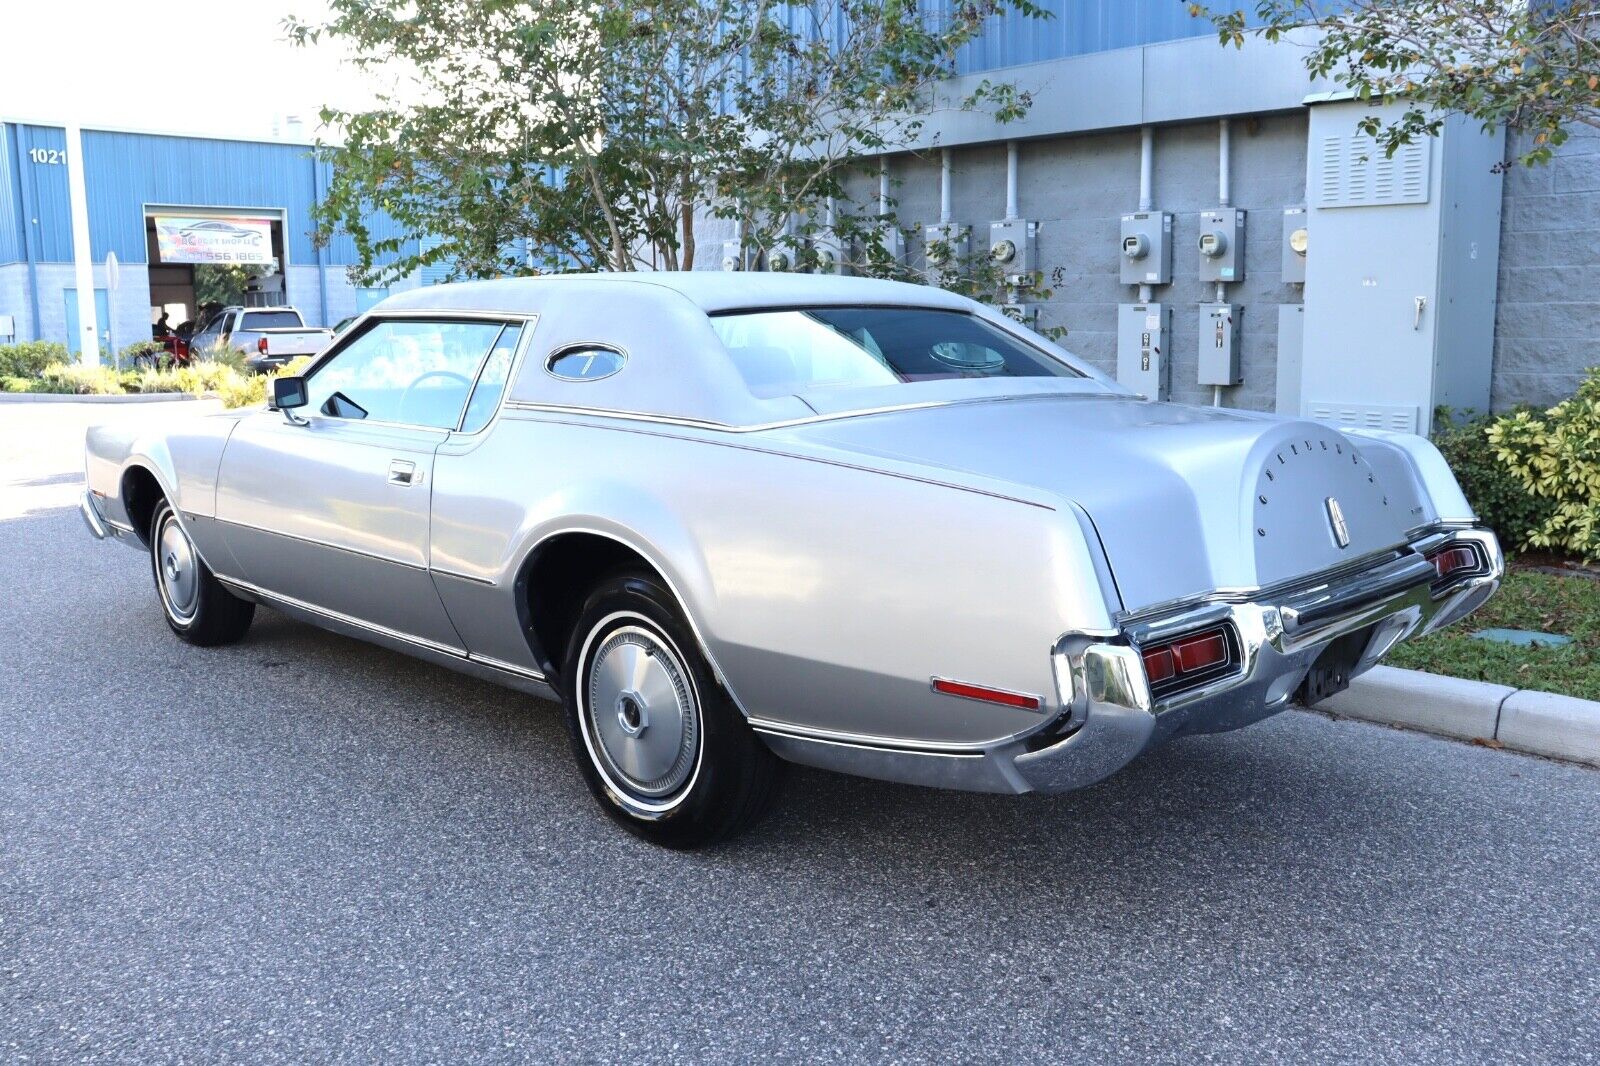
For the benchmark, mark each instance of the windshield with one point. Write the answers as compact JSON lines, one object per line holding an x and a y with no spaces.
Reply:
{"x":272,"y":320}
{"x":780,"y":353}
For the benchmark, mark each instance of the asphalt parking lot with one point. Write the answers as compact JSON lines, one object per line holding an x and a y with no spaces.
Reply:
{"x":302,"y":848}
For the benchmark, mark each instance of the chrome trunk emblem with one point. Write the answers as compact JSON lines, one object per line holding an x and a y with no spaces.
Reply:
{"x":1341,"y":532}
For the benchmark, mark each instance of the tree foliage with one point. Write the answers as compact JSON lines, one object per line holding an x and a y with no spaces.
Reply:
{"x":1532,"y":65}
{"x":544,"y":135}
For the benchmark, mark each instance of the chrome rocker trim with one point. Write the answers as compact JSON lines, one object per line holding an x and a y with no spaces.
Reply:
{"x":1111,"y":717}
{"x":482,"y":667}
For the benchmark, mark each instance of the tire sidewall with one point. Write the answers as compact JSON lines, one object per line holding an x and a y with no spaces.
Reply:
{"x":157,"y":520}
{"x":637,"y":600}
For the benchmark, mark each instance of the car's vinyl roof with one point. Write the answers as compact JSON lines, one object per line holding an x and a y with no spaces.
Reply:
{"x":710,"y":290}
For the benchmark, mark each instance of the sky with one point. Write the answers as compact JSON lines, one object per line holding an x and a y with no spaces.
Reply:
{"x":218,"y":67}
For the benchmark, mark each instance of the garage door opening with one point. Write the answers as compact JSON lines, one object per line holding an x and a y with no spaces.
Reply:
{"x":203,"y":261}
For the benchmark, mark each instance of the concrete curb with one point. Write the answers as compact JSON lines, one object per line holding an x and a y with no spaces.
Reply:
{"x":1539,"y":723}
{"x":73,"y":397}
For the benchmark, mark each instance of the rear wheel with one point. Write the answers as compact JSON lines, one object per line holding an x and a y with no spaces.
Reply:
{"x":661,"y":745}
{"x":197,"y":607}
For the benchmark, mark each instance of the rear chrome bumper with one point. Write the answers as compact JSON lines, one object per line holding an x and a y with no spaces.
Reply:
{"x":90,"y":510}
{"x":1111,"y":716}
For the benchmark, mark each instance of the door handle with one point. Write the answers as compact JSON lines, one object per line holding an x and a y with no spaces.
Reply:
{"x":403,"y":472}
{"x":1421,"y":302}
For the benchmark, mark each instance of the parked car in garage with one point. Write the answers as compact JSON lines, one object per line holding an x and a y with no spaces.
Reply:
{"x":734,"y":519}
{"x":268,"y":336}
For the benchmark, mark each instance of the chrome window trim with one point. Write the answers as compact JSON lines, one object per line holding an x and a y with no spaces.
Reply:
{"x":566,"y":349}
{"x":357,"y":328}
{"x":524,"y":342}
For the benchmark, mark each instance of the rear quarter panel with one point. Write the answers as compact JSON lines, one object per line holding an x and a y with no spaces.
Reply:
{"x":828,"y":596}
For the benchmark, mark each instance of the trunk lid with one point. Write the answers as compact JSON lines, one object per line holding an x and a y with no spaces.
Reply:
{"x":1186,"y":500}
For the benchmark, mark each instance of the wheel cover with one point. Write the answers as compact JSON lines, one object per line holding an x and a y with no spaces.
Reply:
{"x":641,"y":717}
{"x":177,"y":570}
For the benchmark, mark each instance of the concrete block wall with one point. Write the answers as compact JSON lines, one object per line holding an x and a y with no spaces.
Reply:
{"x":14,"y":299}
{"x":1547,"y":328}
{"x":1077,"y":188}
{"x":129,"y":304}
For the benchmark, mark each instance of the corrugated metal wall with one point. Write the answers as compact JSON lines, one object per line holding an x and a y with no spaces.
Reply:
{"x":126,"y":172}
{"x":46,"y":190}
{"x":11,"y":218}
{"x":1076,"y":27}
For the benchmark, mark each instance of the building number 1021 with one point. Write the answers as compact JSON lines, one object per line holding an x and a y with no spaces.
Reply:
{"x":48,"y":156}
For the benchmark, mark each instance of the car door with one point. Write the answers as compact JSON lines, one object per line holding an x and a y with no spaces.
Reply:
{"x":206,"y":339}
{"x":331,"y":509}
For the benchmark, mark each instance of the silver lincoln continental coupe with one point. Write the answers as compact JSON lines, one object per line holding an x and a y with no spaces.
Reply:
{"x":732,"y":519}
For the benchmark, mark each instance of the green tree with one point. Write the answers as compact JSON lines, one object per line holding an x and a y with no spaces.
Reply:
{"x":1532,"y":65}
{"x":544,"y":135}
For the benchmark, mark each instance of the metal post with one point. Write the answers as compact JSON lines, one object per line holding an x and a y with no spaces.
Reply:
{"x":82,"y":255}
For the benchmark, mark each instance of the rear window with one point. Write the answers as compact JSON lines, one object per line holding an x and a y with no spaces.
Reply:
{"x":779,"y":353}
{"x":271,"y":320}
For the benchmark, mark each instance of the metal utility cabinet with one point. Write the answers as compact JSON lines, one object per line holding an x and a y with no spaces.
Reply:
{"x":1401,"y":279}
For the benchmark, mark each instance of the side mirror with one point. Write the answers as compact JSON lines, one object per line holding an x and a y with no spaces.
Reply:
{"x":288,"y":394}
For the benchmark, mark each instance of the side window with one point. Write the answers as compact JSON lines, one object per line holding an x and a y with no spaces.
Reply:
{"x":492,"y":381}
{"x":408,"y":371}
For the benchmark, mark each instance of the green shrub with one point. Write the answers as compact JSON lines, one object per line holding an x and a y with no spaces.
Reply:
{"x":1496,"y":494}
{"x":74,"y":378}
{"x":29,"y":359}
{"x":15,"y":384}
{"x":1556,"y":456}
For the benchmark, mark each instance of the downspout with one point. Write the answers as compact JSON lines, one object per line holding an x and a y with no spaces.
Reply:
{"x":944,"y":189}
{"x":1147,"y":169}
{"x":29,"y":242}
{"x":322,"y":248}
{"x":1012,"y":166}
{"x":1224,"y":199}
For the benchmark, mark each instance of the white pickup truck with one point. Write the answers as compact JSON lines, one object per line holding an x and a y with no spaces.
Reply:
{"x":268,"y":336}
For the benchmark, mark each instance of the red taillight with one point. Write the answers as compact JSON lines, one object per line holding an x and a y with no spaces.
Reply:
{"x":1158,"y":664}
{"x":1454,"y":560}
{"x":261,"y":346}
{"x":987,"y":695}
{"x":1185,"y":656}
{"x":1197,"y":653}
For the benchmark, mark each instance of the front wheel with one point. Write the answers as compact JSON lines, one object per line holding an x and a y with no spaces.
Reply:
{"x":660,"y":744}
{"x":197,"y":607}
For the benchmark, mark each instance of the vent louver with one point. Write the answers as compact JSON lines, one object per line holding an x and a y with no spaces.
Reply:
{"x":1355,"y":172}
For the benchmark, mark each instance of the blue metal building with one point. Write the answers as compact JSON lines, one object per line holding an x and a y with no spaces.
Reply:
{"x":130,"y":179}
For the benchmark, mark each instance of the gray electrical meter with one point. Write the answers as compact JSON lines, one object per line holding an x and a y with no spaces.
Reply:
{"x":1221,"y":245}
{"x":1147,"y":248}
